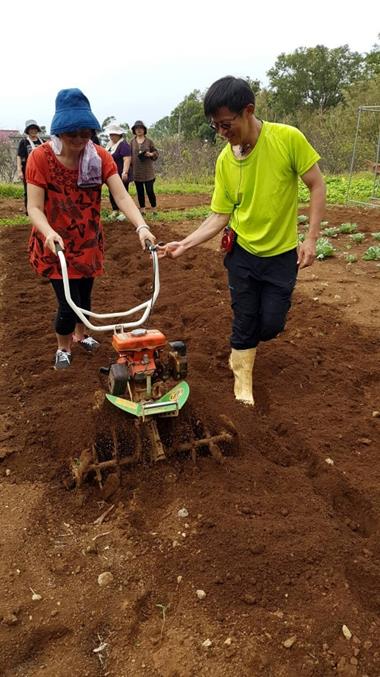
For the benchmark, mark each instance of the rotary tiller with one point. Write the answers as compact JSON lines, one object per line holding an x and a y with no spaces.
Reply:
{"x":146,"y":381}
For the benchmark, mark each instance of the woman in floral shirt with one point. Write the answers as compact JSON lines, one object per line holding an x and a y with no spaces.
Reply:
{"x":65,"y":178}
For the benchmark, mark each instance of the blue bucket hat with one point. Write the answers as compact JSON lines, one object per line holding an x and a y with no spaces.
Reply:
{"x":72,"y":111}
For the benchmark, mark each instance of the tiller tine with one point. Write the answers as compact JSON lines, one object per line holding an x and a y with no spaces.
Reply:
{"x":226,"y":438}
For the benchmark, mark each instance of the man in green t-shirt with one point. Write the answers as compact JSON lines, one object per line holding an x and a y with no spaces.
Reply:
{"x":256,"y":197}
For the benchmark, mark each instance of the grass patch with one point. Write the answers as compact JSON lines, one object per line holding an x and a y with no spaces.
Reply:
{"x":15,"y":221}
{"x":162,"y":187}
{"x":180,"y":214}
{"x":170,"y":188}
{"x":169,"y":216}
{"x":337,"y":186}
{"x":13,"y":190}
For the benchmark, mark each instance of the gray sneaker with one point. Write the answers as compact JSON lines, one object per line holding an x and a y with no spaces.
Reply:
{"x":62,"y":359}
{"x":89,"y":344}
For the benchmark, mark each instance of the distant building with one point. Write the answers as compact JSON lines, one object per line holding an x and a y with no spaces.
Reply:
{"x":9,"y":134}
{"x":9,"y":140}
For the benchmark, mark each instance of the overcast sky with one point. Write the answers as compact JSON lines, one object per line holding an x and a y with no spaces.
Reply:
{"x":140,"y":59}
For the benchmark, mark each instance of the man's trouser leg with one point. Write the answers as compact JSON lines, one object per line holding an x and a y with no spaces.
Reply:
{"x":261,"y":289}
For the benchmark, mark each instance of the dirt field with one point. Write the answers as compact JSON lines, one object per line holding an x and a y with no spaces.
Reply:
{"x":283,"y":537}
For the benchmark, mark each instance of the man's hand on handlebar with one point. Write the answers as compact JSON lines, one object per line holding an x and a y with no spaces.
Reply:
{"x":171,"y":249}
{"x":52,"y":239}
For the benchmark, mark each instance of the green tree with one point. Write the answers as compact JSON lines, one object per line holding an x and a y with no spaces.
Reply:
{"x":127,"y":129}
{"x":313,"y":77}
{"x":372,"y":60}
{"x":332,"y":131}
{"x":162,"y":128}
{"x":190,"y":116}
{"x":187,"y":120}
{"x":255,"y":85}
{"x":107,"y":121}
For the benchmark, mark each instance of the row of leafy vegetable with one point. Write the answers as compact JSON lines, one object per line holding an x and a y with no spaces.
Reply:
{"x":326,"y":249}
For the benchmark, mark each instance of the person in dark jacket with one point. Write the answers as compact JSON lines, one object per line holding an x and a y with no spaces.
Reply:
{"x":27,"y":144}
{"x":144,"y":154}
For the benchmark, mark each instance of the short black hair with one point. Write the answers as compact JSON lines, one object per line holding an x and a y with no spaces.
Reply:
{"x":233,"y":93}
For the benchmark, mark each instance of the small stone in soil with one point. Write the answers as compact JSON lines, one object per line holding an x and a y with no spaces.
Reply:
{"x":346,"y":632}
{"x":105,"y":578}
{"x":288,"y":643}
{"x":10,"y":619}
{"x":207,"y":643}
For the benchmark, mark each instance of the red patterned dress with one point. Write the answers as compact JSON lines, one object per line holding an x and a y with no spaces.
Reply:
{"x":73,"y":212}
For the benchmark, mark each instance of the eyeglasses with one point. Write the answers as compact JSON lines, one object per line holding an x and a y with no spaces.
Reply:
{"x":226,"y":124}
{"x":82,"y":133}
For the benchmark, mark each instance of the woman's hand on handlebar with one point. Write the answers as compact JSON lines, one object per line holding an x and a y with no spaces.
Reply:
{"x":145,"y":234}
{"x":52,"y":239}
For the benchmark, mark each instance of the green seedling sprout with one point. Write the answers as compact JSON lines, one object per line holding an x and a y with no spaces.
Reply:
{"x":357,"y":237}
{"x":163,"y":616}
{"x":372,"y":254}
{"x":324,"y":249}
{"x":332,"y":231}
{"x":348,"y":228}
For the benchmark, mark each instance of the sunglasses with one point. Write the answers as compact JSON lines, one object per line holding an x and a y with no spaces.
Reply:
{"x":82,"y":133}
{"x":226,"y":124}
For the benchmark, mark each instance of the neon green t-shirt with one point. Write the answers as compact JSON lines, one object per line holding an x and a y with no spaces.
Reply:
{"x":261,"y":191}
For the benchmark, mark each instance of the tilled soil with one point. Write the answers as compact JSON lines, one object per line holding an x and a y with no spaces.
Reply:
{"x":283,"y":537}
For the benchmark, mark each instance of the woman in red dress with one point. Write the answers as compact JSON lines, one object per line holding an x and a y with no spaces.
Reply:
{"x":65,"y":177}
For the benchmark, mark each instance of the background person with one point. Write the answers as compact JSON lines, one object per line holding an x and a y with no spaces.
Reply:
{"x":121,"y":153}
{"x":94,"y":138}
{"x":144,"y":154}
{"x":256,"y":193}
{"x":27,"y":144}
{"x":64,"y":180}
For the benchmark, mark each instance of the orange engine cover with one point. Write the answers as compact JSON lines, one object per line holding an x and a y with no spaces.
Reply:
{"x":138,"y":339}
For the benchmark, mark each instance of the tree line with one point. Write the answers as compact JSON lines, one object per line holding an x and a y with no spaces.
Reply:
{"x":316,"y":89}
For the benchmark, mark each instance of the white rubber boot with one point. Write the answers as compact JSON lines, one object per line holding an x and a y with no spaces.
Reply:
{"x":241,"y":363}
